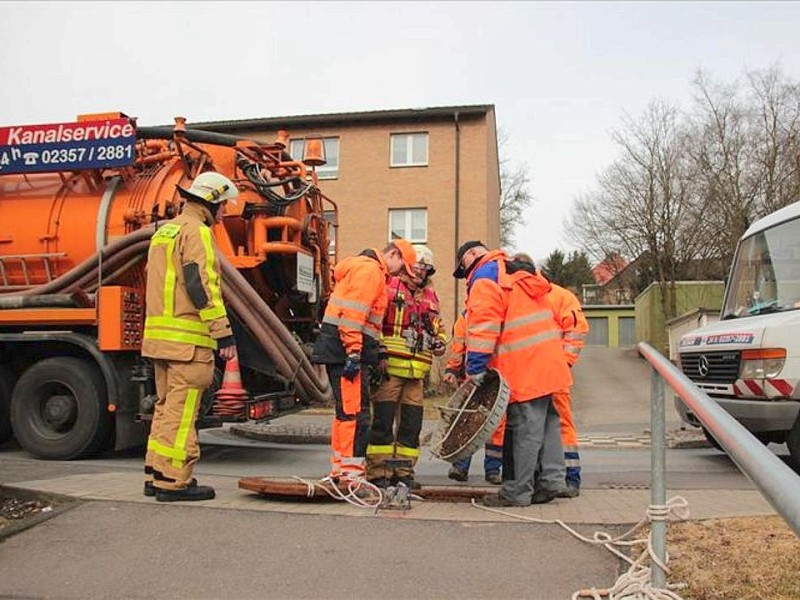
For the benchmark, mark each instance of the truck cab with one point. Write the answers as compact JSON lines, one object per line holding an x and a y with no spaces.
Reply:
{"x":749,"y":361}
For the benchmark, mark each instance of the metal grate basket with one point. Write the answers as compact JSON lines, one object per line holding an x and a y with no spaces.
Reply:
{"x":469,"y":417}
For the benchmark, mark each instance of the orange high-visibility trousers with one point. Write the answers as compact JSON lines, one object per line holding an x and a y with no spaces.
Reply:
{"x":350,"y":426}
{"x":172,"y":449}
{"x":569,"y":437}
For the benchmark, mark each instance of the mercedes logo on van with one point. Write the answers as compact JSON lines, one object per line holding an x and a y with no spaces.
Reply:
{"x":702,"y":366}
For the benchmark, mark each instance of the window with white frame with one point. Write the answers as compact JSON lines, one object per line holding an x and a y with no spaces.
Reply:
{"x":330,"y":170}
{"x":409,"y":150}
{"x":409,"y":223}
{"x":330,"y":217}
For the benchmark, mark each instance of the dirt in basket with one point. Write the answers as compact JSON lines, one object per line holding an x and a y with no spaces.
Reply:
{"x":469,"y":423}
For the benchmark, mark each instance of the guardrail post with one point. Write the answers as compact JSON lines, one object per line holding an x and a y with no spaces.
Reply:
{"x":658,"y":487}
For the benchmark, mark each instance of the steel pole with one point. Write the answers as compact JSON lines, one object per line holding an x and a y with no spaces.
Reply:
{"x":658,"y":487}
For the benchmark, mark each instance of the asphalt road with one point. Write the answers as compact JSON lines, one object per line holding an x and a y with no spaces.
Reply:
{"x":611,"y":392}
{"x":122,"y":550}
{"x":128,"y":550}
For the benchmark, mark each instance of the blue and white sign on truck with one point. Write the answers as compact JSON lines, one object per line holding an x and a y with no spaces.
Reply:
{"x":67,"y":146}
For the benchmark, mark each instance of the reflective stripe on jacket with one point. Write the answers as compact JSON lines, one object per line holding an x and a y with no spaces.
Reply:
{"x":174,"y":325}
{"x":354,"y":314}
{"x":458,"y":348}
{"x":410,"y":325}
{"x":510,"y":326}
{"x":569,"y":316}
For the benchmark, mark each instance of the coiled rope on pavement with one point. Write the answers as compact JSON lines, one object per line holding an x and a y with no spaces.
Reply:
{"x":635,"y":583}
{"x":360,"y":492}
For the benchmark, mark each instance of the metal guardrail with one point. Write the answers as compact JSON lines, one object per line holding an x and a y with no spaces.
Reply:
{"x":778,"y":483}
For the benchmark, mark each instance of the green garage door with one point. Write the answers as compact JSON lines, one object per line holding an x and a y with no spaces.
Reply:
{"x":598,"y":331}
{"x":627,"y":331}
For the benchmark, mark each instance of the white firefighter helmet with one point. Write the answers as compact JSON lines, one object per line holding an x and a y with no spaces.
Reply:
{"x":213,"y":188}
{"x":425,"y":257}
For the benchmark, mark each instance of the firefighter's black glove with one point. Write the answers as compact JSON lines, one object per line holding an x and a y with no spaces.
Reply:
{"x":352,"y":366}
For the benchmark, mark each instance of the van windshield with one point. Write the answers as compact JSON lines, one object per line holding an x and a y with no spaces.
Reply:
{"x":766,"y":273}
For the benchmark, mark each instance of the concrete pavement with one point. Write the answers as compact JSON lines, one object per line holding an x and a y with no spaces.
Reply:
{"x":601,"y":506}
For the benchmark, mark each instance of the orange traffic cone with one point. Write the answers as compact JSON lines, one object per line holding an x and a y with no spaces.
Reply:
{"x":231,"y":397}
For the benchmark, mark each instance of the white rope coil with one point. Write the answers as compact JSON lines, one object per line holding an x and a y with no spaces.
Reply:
{"x":360,"y":492}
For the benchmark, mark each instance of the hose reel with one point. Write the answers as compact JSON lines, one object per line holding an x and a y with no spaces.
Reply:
{"x":469,"y":417}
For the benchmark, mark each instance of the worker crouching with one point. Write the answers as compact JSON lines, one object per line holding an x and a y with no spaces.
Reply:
{"x":412,"y":335}
{"x":349,"y":338}
{"x":185,"y":323}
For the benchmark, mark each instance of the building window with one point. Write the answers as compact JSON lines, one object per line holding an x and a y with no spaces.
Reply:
{"x":330,"y":217}
{"x":409,"y":150}
{"x":409,"y":223}
{"x":330,"y":170}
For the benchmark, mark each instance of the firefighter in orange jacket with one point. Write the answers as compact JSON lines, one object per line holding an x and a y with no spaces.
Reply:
{"x":510,"y":327}
{"x":349,"y":337}
{"x":185,"y":322}
{"x":412,"y":335}
{"x":493,"y":449}
{"x":574,"y":326}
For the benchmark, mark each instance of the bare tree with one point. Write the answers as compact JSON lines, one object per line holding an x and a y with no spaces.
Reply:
{"x":515,"y":196}
{"x":643,"y":207}
{"x":776,"y":143}
{"x":685,"y":187}
{"x":727,"y":185}
{"x":744,"y":145}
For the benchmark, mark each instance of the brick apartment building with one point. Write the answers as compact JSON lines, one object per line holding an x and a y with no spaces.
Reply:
{"x":430,"y":175}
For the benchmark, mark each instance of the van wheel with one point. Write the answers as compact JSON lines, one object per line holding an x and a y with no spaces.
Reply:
{"x":7,"y":380}
{"x":58,"y":409}
{"x":793,"y":443}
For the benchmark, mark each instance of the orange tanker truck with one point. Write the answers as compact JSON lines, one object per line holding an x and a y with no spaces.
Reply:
{"x":78,"y":204}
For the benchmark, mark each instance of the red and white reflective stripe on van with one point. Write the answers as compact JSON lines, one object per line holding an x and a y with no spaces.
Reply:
{"x":773,"y":388}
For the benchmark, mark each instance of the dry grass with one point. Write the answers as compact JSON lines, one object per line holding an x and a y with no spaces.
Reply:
{"x":747,"y":558}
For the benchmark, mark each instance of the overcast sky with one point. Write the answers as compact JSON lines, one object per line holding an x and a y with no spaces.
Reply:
{"x":561,"y":75}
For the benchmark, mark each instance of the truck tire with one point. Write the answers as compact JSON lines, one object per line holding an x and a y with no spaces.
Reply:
{"x":7,"y":380}
{"x":793,"y":443}
{"x":58,"y":409}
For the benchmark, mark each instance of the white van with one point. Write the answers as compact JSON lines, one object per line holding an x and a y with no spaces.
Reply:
{"x":749,"y":361}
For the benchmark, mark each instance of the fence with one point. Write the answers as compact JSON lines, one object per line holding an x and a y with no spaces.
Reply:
{"x":779,"y":484}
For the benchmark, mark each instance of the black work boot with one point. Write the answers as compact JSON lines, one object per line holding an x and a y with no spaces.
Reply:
{"x":571,"y":491}
{"x":381,"y":482}
{"x":457,"y":474}
{"x":494,"y":478}
{"x":409,"y":482}
{"x":544,"y":496}
{"x":496,"y":500}
{"x":150,"y":489}
{"x":189,"y":493}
